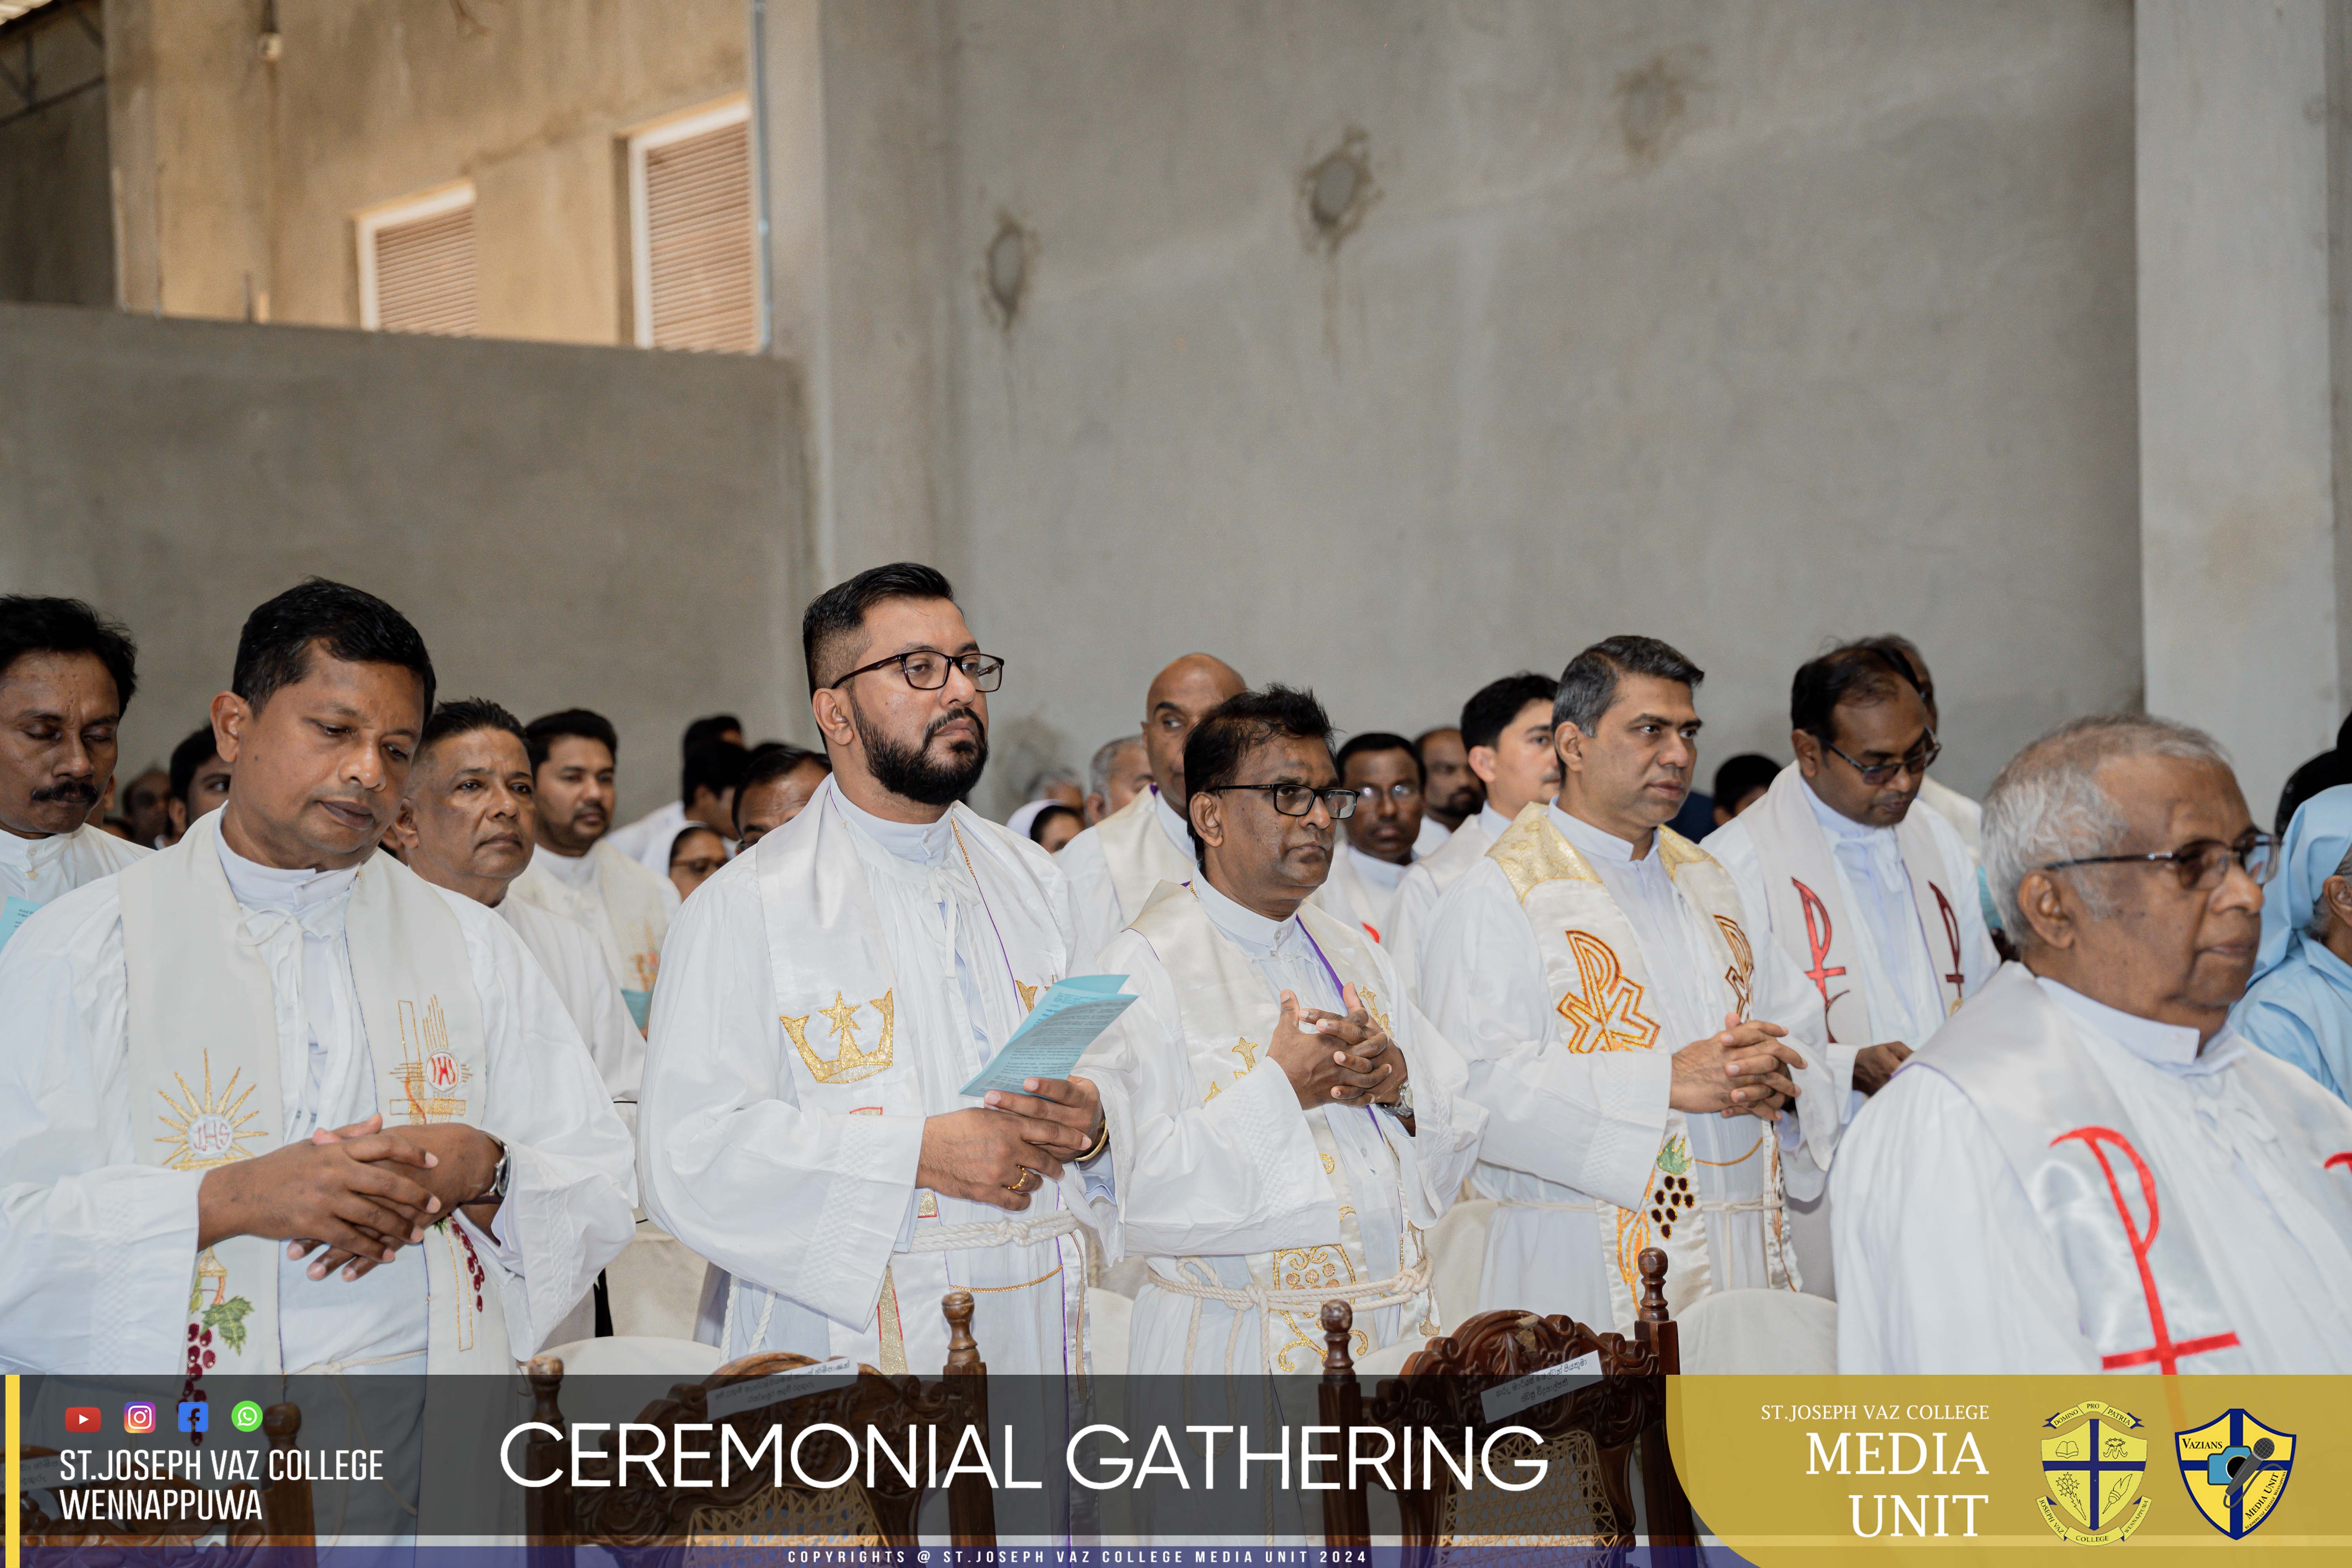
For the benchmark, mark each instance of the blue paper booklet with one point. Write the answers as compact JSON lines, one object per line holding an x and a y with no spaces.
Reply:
{"x":1059,"y":1028}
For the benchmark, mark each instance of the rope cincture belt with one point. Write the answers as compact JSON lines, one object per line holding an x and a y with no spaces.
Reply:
{"x":938,"y":1238}
{"x":1397,"y":1291}
{"x":1762,"y":1203}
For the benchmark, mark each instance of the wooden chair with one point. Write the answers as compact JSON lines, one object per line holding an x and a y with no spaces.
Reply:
{"x":751,"y":1512}
{"x":1588,"y":1433}
{"x":286,"y":1525}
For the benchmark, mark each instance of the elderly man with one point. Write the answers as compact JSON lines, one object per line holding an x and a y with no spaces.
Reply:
{"x":1450,"y":789}
{"x":1113,"y":866}
{"x":826,"y":998}
{"x":2086,"y":1171}
{"x":1621,"y":1026}
{"x":65,"y":675}
{"x":1120,"y":771}
{"x":269,"y":1040}
{"x":1385,"y":772}
{"x":1873,"y":897}
{"x":1284,"y":1124}
{"x":574,"y":871}
{"x":1508,"y":726}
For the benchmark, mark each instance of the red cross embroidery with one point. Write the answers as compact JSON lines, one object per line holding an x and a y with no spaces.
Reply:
{"x":2165,"y":1353}
{"x":1951,"y":934}
{"x":1818,"y":935}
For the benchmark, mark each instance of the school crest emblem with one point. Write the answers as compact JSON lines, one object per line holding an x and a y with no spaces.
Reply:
{"x":2236,"y":1469}
{"x":2093,"y":1464}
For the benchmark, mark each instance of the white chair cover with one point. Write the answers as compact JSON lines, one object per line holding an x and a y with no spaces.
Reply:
{"x":1776,"y":1331}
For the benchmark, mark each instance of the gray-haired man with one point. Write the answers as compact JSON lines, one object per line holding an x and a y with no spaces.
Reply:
{"x":2087,"y":1171}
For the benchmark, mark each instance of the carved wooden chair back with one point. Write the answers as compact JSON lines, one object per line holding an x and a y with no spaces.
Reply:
{"x":1589,"y":1437}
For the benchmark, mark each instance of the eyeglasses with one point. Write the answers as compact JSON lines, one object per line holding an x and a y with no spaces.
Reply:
{"x":926,"y":668}
{"x":1918,"y":760}
{"x":1298,"y":799}
{"x":2201,"y":863}
{"x":1399,"y":792}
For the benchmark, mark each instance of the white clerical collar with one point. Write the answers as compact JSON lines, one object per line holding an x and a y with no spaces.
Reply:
{"x":1596,"y":843}
{"x":923,"y":843}
{"x":577,"y":872}
{"x":295,"y":890}
{"x":1493,"y":821}
{"x":1383,"y":874}
{"x":2172,"y":1047}
{"x":1837,"y":824}
{"x":1250,"y":930}
{"x":1172,"y":823}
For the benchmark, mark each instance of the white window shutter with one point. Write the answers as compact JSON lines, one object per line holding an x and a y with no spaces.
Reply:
{"x":417,"y":269}
{"x":698,"y":287}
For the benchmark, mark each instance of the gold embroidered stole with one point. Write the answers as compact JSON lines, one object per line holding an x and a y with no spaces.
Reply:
{"x":838,"y":1015}
{"x":1599,"y":981}
{"x":204,"y":1076}
{"x":1228,"y":1019}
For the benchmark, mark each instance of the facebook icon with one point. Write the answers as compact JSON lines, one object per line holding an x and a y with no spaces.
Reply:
{"x":194,"y":1416}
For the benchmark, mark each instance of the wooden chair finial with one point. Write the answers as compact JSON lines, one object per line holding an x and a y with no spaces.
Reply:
{"x":1338,"y":1322}
{"x":1652,"y":1264}
{"x":964,"y":1350}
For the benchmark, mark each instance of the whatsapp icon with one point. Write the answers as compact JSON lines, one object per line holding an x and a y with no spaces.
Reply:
{"x":245,"y":1415}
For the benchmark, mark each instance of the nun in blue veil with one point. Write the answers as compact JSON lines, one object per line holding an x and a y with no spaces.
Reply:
{"x":2299,"y":1008}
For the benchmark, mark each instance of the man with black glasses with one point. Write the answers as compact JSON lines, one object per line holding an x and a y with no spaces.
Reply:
{"x":825,"y":997}
{"x":1283,"y":1124}
{"x":1871,"y":895}
{"x":2089,"y":1172}
{"x":1385,"y":772}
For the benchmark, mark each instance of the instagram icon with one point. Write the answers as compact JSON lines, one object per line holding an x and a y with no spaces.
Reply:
{"x":139,"y":1417}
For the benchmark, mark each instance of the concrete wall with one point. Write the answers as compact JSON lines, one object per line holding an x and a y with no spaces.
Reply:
{"x":566,"y":525}
{"x":1741,"y":326}
{"x":233,"y":165}
{"x":56,"y":220}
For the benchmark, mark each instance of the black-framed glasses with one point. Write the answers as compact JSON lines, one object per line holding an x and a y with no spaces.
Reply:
{"x":1399,"y":792}
{"x":1918,"y":760}
{"x":926,"y":668}
{"x":1298,"y":799}
{"x":2201,"y":863}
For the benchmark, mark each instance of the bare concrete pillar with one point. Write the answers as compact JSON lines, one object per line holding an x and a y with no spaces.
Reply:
{"x":2241,"y":565}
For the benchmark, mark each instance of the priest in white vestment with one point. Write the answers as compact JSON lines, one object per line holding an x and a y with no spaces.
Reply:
{"x":1964,"y":816}
{"x":825,"y":1000}
{"x":2086,"y":1171}
{"x":575,"y":872}
{"x":659,"y":826}
{"x":65,"y":675}
{"x":204,"y":1045}
{"x":1652,"y":1076}
{"x":1263,"y":1165}
{"x":1114,"y":866}
{"x":1873,"y":898}
{"x":1507,"y":730}
{"x":1383,"y":839}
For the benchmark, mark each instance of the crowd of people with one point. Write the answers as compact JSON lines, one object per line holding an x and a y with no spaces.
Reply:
{"x":369,"y":1041}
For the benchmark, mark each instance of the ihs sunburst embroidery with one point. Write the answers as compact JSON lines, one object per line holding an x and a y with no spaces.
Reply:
{"x":208,"y":1129}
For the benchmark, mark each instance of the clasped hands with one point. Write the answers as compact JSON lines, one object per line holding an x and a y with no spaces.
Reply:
{"x":1009,"y":1146}
{"x":1743,"y":1071}
{"x":1332,"y":1059}
{"x":359,"y":1192}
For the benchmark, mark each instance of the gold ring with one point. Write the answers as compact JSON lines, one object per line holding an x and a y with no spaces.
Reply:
{"x":1019,"y":1183}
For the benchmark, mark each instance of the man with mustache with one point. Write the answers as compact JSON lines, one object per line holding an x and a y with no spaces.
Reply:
{"x":1637,"y":1055}
{"x":1507,"y":727}
{"x":2088,"y":1170}
{"x":1870,"y":894}
{"x":272,"y":1103}
{"x":825,"y":996}
{"x":575,"y":872}
{"x":65,"y":675}
{"x":1451,"y":793}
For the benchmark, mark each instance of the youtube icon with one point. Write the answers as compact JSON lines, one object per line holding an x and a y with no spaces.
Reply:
{"x":84,"y":1418}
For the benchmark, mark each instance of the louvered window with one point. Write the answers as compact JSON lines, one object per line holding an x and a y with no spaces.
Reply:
{"x":692,"y":240}
{"x":416,"y":265}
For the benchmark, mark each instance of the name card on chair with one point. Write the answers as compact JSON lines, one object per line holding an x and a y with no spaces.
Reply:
{"x":775,"y":1387}
{"x":1508,"y":1399}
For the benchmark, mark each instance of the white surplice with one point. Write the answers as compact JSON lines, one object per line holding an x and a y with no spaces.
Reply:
{"x":627,"y":907}
{"x":575,"y":964}
{"x":1115,"y":866}
{"x":1431,"y":837}
{"x":1965,"y":817}
{"x":1232,"y":1179}
{"x":1425,"y":882}
{"x":1361,"y":890}
{"x":37,"y":871}
{"x":801,"y":1209}
{"x":97,"y":1251}
{"x":1569,"y":1133}
{"x":1949,"y":1266}
{"x":647,"y":839}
